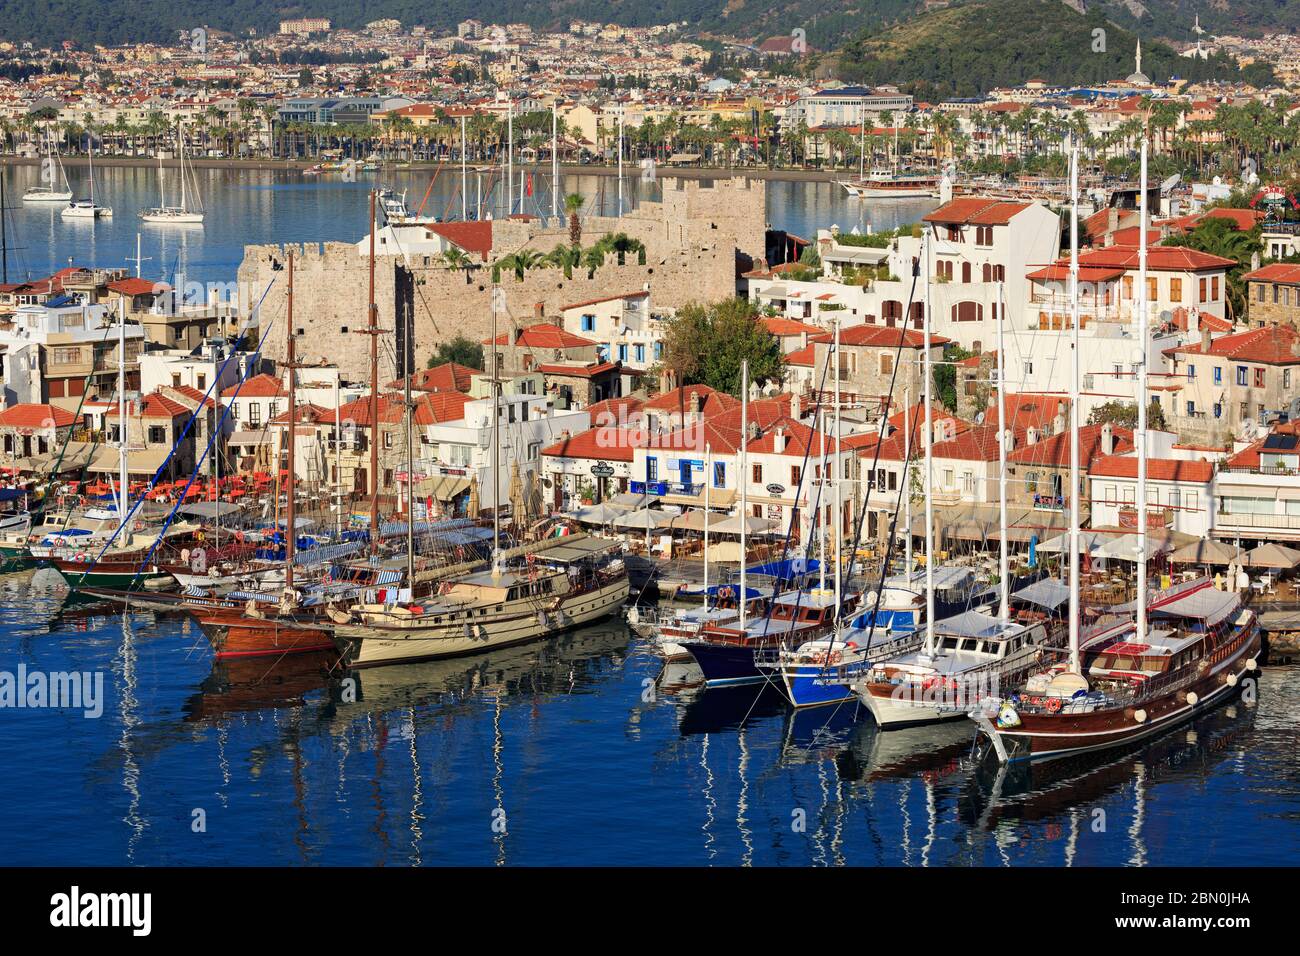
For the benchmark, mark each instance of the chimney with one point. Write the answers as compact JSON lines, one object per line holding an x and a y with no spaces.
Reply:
{"x":1107,"y":439}
{"x":754,"y":431}
{"x":778,"y":440}
{"x":1205,"y":339}
{"x":796,"y":407}
{"x":539,"y":311}
{"x":697,"y":402}
{"x":1031,"y":436}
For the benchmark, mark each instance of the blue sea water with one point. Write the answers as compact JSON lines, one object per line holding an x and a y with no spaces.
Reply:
{"x":263,"y":206}
{"x":576,"y":750}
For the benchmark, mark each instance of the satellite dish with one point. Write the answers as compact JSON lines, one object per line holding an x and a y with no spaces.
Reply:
{"x":854,"y":231}
{"x":1248,"y":429}
{"x":1171,"y":182}
{"x":1217,"y":180}
{"x":979,"y":418}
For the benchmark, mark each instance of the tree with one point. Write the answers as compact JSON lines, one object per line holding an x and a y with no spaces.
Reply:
{"x":1221,"y":237}
{"x":708,"y":343}
{"x":461,"y":350}
{"x":945,"y":375}
{"x":1125,"y":414}
{"x":573,"y":205}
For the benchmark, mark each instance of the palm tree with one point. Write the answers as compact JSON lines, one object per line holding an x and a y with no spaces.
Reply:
{"x":566,"y":258}
{"x":573,"y":205}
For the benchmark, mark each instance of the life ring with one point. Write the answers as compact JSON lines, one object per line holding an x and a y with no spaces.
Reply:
{"x":1052,"y":704}
{"x":80,"y":557}
{"x":239,"y":536}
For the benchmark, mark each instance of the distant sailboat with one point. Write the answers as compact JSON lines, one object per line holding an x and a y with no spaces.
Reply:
{"x":86,"y":208}
{"x":181,"y":215}
{"x":50,"y":191}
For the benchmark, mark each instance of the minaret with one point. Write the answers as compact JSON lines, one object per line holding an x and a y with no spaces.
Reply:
{"x":1138,"y":59}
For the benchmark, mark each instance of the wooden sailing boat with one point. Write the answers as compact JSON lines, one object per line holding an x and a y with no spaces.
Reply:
{"x":1125,"y":680}
{"x":247,"y":630}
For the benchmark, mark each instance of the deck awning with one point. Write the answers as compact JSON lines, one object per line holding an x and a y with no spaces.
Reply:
{"x":442,"y":488}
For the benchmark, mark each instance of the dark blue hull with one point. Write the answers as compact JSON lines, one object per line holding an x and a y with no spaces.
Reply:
{"x":727,"y":664}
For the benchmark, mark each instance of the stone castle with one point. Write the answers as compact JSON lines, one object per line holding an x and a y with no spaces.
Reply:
{"x":698,"y":239}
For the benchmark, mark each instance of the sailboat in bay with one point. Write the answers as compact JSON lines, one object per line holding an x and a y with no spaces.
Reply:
{"x":1126,"y":679}
{"x":190,"y":210}
{"x":87,"y":208}
{"x":55,"y":187}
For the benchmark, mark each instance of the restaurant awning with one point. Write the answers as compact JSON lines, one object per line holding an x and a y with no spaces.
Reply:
{"x":442,"y":488}
{"x":139,"y":461}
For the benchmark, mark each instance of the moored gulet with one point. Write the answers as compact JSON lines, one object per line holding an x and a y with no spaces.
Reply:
{"x":576,"y":581}
{"x":1189,"y":649}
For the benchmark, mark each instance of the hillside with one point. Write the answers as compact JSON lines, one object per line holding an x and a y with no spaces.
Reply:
{"x":967,"y":49}
{"x":827,"y":22}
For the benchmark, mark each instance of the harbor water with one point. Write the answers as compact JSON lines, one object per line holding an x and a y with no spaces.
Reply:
{"x":248,"y":206}
{"x":582,"y":749}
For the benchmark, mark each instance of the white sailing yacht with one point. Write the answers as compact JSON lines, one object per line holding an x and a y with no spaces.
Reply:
{"x":87,"y":208}
{"x":182,"y":215}
{"x":51,"y":173}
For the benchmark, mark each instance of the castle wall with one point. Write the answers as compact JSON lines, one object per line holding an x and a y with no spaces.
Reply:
{"x":692,"y":242}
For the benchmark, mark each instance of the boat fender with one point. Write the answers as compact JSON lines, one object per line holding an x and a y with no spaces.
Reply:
{"x":1192,"y":698}
{"x":1140,"y":716}
{"x":1232,"y":680}
{"x":542,"y":621}
{"x":1252,"y":664}
{"x":1007,"y":716}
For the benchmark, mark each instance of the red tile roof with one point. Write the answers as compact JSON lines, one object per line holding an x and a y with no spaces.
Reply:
{"x":976,"y":211}
{"x":1281,"y":272}
{"x":590,"y":370}
{"x":447,"y":377}
{"x":153,"y":405}
{"x":882,"y":336}
{"x":1055,"y":451}
{"x":721,"y":432}
{"x":133,"y":286}
{"x":36,"y":416}
{"x":604,"y":298}
{"x":473,"y":237}
{"x":259,"y":386}
{"x":1158,"y":469}
{"x":783,"y":327}
{"x":1159,"y":259}
{"x":544,"y":335}
{"x":601,"y":444}
{"x":193,"y":394}
{"x":1271,"y":345}
{"x":613,"y":411}
{"x":680,"y":399}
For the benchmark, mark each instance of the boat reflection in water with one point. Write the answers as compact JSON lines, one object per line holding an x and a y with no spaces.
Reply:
{"x":565,"y":664}
{"x":1063,"y":789}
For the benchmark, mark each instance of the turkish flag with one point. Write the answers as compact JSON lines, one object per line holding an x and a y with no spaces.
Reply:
{"x":530,"y":184}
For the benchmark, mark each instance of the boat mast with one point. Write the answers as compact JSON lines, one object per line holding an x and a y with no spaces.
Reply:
{"x":216,"y":450}
{"x":836,"y":476}
{"x":335,"y":493}
{"x":1142,"y":404}
{"x":555,"y":161}
{"x":1004,"y":437}
{"x":907,"y":476}
{"x":290,"y":532}
{"x":410,"y":461}
{"x":510,"y":168}
{"x":819,"y":522}
{"x":929,"y":459}
{"x":708,"y":480}
{"x":496,"y":438}
{"x":121,"y":414}
{"x":4,"y":234}
{"x":180,"y":149}
{"x":1074,"y":412}
{"x":744,"y":481}
{"x":372,"y":328}
{"x":862,"y":141}
{"x":464,"y":194}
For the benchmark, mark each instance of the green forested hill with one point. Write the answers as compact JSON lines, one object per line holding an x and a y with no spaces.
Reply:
{"x":827,"y":23}
{"x":969,"y":48}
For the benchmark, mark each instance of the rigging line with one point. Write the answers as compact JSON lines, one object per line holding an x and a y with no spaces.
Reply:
{"x":785,"y":548}
{"x":181,"y":498}
{"x":136,"y":507}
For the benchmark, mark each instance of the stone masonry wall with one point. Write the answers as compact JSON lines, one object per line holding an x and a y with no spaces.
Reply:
{"x":693,"y":240}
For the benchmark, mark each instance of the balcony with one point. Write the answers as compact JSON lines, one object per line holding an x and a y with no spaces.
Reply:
{"x":1050,"y":502}
{"x":1247,"y":522}
{"x":663,"y":488}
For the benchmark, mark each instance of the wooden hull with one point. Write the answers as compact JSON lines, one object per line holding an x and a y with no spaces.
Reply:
{"x":233,"y":634}
{"x":1044,"y":737}
{"x":371,"y":646}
